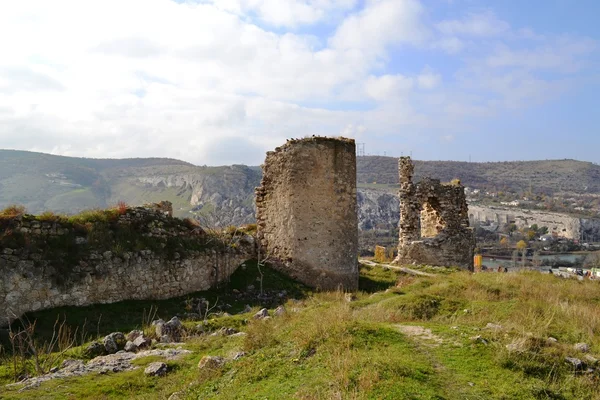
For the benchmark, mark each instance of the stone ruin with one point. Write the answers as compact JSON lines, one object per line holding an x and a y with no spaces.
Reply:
{"x":306,"y":212}
{"x":434,"y":222}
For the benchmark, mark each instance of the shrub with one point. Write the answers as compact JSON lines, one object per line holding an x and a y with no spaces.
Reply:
{"x":13,"y":211}
{"x":122,"y":207}
{"x":48,"y":216}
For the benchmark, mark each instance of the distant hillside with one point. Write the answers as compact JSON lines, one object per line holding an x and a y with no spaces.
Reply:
{"x":68,"y":185}
{"x":548,"y":176}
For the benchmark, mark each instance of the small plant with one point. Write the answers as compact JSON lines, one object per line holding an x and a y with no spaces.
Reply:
{"x":13,"y":211}
{"x":48,"y":216}
{"x":29,"y":356}
{"x":122,"y":207}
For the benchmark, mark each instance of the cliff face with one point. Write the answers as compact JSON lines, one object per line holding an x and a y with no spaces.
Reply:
{"x":561,"y":224}
{"x":377,"y":210}
{"x":223,"y":195}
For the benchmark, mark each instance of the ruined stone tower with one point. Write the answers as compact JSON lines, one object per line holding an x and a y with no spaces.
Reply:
{"x":306,"y":211}
{"x":434,"y":222}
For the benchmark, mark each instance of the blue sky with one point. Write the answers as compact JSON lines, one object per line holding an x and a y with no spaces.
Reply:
{"x":223,"y":81}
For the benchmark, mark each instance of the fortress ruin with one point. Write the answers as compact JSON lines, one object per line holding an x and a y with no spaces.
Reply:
{"x":306,"y":212}
{"x":434,"y":222}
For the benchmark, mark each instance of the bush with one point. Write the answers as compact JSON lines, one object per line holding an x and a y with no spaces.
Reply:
{"x":13,"y":211}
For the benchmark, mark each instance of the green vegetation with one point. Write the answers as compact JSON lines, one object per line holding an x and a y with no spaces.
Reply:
{"x":69,"y":185}
{"x":453,"y":335}
{"x":547,"y":176}
{"x":75,"y":237}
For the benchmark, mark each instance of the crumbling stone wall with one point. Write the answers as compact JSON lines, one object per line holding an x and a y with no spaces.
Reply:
{"x":434,"y":222}
{"x":35,"y":275}
{"x":306,"y":211}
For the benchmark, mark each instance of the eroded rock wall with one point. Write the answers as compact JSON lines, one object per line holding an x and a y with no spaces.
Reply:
{"x":306,"y":211}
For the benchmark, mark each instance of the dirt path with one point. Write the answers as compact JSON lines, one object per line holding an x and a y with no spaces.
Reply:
{"x":395,"y":267}
{"x":421,"y":333}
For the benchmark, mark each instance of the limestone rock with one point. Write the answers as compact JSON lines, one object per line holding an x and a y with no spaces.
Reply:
{"x":279,"y":311}
{"x":142,"y":342}
{"x":211,"y":362}
{"x":576,"y":363}
{"x":582,"y":347}
{"x":131,"y":336}
{"x":493,"y":327}
{"x":130,"y":347}
{"x":156,"y":369}
{"x":114,"y":342}
{"x":95,"y":349}
{"x":262,"y":314}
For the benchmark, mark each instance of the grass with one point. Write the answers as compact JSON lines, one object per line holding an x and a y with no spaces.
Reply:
{"x":325,"y":347}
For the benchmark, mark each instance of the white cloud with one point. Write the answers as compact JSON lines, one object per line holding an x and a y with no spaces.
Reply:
{"x":562,"y":54}
{"x":286,"y":13}
{"x":428,"y":79}
{"x":382,"y":23}
{"x":388,"y":86}
{"x":475,"y":24}
{"x":191,"y":79}
{"x":451,"y":45}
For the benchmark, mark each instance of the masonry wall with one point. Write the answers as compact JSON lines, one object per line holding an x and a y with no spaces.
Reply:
{"x":434,"y":222}
{"x":306,"y":211}
{"x":50,"y":264}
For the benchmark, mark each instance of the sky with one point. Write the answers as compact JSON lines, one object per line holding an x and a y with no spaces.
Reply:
{"x":217,"y":82}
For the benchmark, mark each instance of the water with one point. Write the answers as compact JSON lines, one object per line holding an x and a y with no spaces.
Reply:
{"x":546,"y":260}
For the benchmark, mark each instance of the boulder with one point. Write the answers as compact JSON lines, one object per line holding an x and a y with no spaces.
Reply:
{"x":279,"y":311}
{"x":156,"y":369}
{"x":576,"y":363}
{"x":130,"y":347}
{"x":211,"y":362}
{"x":262,"y":314}
{"x":94,"y":350}
{"x":131,"y":336}
{"x":142,"y":342}
{"x":582,"y":347}
{"x":114,"y":342}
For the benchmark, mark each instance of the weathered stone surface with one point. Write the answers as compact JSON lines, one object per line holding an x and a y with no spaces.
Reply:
{"x":582,"y":347}
{"x":142,"y":342}
{"x":279,"y":311}
{"x":29,"y":281}
{"x":156,"y":369}
{"x":434,"y":222}
{"x":577,"y":364}
{"x":262,"y":314}
{"x":95,"y":349}
{"x":211,"y":362}
{"x":110,"y":363}
{"x":114,"y":342}
{"x":170,"y":331}
{"x":306,"y":211}
{"x":130,"y":347}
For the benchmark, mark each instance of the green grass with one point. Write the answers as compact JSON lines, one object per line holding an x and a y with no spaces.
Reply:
{"x":325,"y":347}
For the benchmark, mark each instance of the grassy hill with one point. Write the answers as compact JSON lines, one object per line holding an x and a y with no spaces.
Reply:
{"x":449,"y":335}
{"x":547,"y":176}
{"x":43,"y":182}
{"x":69,"y":185}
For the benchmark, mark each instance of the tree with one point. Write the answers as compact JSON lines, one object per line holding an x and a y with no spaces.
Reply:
{"x":522,"y":245}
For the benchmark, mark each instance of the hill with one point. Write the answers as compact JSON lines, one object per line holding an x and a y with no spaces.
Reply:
{"x":444,"y":335}
{"x":546,"y":176}
{"x":225,"y":195}
{"x":43,"y":182}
